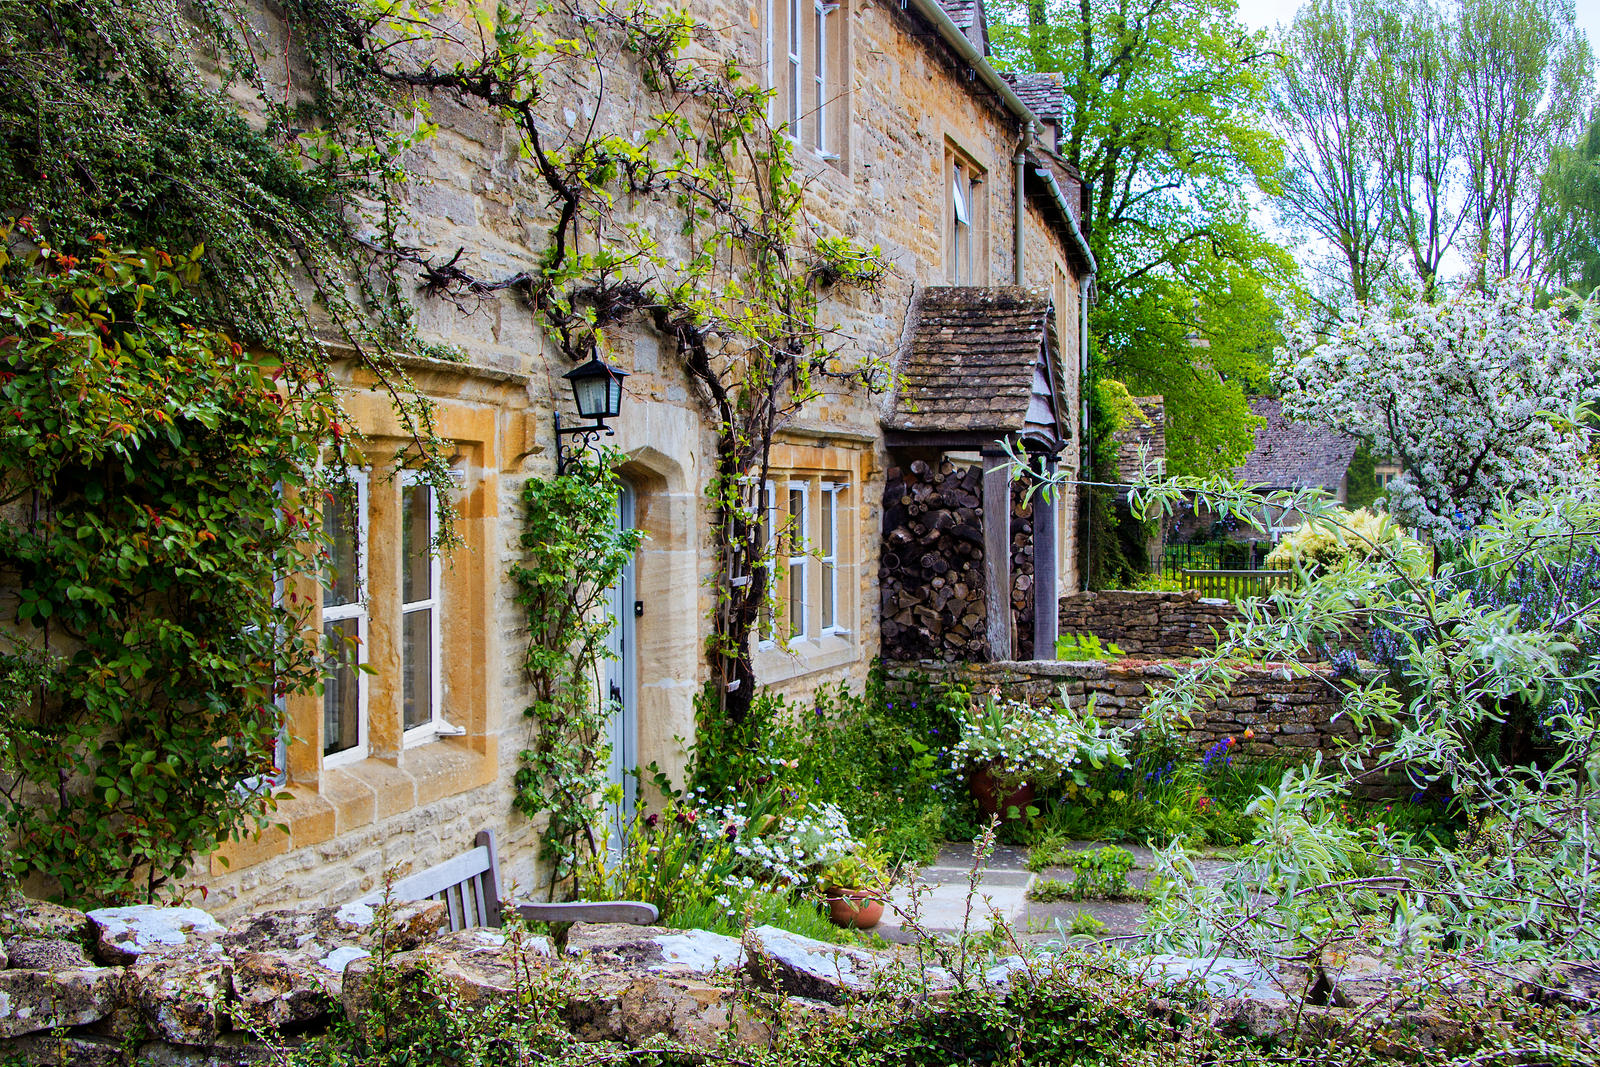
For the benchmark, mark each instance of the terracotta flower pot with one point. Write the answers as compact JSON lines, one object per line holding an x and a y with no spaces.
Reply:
{"x":985,"y":789}
{"x":858,"y":909}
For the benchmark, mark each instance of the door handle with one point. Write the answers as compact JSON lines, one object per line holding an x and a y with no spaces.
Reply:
{"x":616,"y":693}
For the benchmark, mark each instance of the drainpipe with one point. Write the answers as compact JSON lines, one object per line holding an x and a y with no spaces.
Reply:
{"x":1021,"y":168}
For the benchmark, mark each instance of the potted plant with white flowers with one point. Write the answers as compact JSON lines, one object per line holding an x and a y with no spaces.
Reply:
{"x":1011,"y":749}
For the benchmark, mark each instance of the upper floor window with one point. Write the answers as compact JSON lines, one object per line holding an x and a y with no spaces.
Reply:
{"x":803,"y":48}
{"x":965,"y":256}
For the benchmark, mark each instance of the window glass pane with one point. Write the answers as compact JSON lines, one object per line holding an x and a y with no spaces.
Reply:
{"x":797,"y":518}
{"x":825,"y":524}
{"x":341,"y":692}
{"x":825,"y":536}
{"x":340,"y":526}
{"x":828,"y":594}
{"x":416,"y":520}
{"x":418,"y":659}
{"x":819,"y":73}
{"x":797,"y":598}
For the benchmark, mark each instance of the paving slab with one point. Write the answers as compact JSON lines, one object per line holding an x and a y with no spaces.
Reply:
{"x":941,"y":890}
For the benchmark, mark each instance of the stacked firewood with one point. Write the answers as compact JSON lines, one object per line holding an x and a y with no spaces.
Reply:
{"x":931,"y":570}
{"x":1022,"y":572}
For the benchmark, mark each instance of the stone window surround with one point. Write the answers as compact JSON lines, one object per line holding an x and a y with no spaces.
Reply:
{"x":318,"y":803}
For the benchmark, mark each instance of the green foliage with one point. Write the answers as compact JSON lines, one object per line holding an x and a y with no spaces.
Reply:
{"x":1168,"y":792}
{"x":1081,"y":647}
{"x":159,"y":482}
{"x":881,"y":756}
{"x":666,"y":861}
{"x":1324,"y":543}
{"x":114,"y":126}
{"x":574,"y":552}
{"x":1569,"y":219}
{"x":1498,"y":635}
{"x":1157,"y":583}
{"x":1166,"y":125}
{"x":1361,"y":479}
{"x":1050,"y":891}
{"x":1098,"y":873}
{"x":865,"y":868}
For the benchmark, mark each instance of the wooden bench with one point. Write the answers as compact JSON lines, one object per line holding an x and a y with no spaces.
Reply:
{"x":469,"y":885}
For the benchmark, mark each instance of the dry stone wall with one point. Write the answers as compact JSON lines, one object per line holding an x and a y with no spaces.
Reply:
{"x":1174,"y":625}
{"x":1282,"y":713}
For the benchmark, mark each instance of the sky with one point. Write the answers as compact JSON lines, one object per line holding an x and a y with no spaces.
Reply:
{"x":1263,"y":14}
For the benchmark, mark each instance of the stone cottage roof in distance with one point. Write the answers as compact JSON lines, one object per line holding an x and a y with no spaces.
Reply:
{"x":1044,"y":94}
{"x":980,"y":362}
{"x":969,"y":18}
{"x":1295,"y":455}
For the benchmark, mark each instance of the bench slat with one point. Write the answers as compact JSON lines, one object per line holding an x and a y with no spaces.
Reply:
{"x":435,"y":880}
{"x":633,"y":912}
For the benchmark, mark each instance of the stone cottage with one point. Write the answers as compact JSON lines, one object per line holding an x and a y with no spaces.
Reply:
{"x":907,"y":139}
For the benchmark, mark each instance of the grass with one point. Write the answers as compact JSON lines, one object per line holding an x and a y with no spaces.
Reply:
{"x":788,"y":911}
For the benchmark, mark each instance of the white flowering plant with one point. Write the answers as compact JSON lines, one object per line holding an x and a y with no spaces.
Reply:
{"x":1020,"y":742}
{"x":778,"y":838}
{"x":1480,"y":396}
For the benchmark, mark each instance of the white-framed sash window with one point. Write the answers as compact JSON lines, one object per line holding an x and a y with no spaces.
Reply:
{"x":828,"y":556}
{"x":798,"y":544}
{"x":422,"y":681}
{"x":796,"y":70}
{"x":344,"y":628}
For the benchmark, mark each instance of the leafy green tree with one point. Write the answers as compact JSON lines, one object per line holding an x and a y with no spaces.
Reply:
{"x":1569,"y":224}
{"x":1166,"y":124}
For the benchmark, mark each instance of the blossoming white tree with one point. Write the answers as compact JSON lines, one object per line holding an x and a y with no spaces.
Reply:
{"x":1476,"y":395}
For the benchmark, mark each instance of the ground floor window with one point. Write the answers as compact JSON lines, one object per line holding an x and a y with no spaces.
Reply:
{"x":344,"y":625}
{"x":805,"y":516}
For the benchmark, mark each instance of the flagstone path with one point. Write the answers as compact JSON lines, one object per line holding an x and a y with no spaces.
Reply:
{"x":938,"y":896}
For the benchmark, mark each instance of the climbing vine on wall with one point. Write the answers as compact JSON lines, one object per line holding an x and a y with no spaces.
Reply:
{"x":153,"y":482}
{"x":574,"y":552}
{"x":733,"y":273}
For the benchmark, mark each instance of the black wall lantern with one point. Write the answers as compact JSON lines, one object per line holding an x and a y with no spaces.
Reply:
{"x":597,"y":388}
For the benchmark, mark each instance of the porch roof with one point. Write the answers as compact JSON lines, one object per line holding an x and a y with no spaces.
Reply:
{"x":981,"y":366}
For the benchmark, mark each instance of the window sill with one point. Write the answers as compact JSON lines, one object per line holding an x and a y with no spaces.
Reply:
{"x":362,"y":793}
{"x":776,"y":664}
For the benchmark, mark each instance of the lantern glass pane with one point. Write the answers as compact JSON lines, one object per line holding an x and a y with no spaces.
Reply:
{"x":614,"y":398}
{"x":590,"y":394}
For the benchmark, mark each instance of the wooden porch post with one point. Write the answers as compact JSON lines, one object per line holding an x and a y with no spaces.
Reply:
{"x":1046,"y":583}
{"x":997,"y":551}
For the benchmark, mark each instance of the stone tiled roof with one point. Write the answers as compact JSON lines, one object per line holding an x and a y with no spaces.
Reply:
{"x":969,"y":19}
{"x":974,"y":354}
{"x":1294,"y":454}
{"x":1045,"y":94}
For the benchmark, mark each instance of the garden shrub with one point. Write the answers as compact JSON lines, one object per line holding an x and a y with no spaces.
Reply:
{"x":1324,"y":543}
{"x":880,"y":756}
{"x":162,"y":483}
